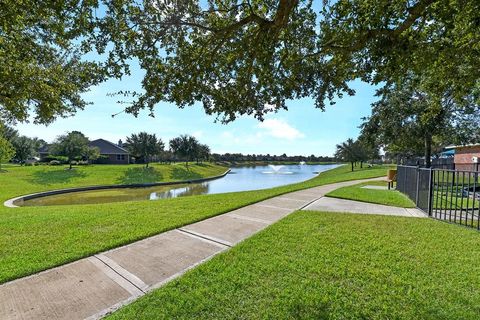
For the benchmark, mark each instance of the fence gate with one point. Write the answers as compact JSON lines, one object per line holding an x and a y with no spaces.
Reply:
{"x":449,"y":195}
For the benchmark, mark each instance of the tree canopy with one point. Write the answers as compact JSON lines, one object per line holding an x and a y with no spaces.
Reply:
{"x":409,"y":121}
{"x":6,"y":151}
{"x":73,"y":145}
{"x":234,"y":57}
{"x":249,"y":57}
{"x":25,"y":148}
{"x":144,"y":145}
{"x":186,"y":147}
{"x":43,"y":72}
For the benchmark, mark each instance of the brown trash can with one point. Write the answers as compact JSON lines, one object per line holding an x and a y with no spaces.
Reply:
{"x":391,"y":177}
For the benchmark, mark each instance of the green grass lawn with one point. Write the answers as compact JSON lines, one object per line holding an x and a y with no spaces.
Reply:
{"x":386,"y":197}
{"x":18,"y":180}
{"x":37,"y":238}
{"x":315,"y":265}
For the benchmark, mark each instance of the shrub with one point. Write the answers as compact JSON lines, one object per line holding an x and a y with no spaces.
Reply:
{"x":61,"y":159}
{"x":55,"y":163}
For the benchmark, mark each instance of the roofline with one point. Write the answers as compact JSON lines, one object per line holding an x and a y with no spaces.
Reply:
{"x":113,"y":144}
{"x":462,"y":146}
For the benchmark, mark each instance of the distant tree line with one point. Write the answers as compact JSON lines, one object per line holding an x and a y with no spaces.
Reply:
{"x":18,"y":148}
{"x":239,"y":157}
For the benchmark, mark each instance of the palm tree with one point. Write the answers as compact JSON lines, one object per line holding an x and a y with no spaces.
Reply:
{"x":348,"y":151}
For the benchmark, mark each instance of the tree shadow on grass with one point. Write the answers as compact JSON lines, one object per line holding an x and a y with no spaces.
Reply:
{"x":140,"y":175}
{"x":182,"y":173}
{"x":47,"y":177}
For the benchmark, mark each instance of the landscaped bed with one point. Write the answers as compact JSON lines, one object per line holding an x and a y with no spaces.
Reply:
{"x":315,"y":265}
{"x":360,"y":193}
{"x":34,"y":239}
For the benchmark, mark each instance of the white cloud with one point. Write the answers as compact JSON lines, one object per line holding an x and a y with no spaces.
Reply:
{"x":279,"y":128}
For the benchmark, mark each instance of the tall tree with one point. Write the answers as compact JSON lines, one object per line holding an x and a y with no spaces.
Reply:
{"x":42,"y":72}
{"x":6,"y":151}
{"x":73,"y":145}
{"x":217,"y":52}
{"x":408,"y":120}
{"x":144,"y":146}
{"x":348,"y":151}
{"x":25,"y":148}
{"x":8,"y":132}
{"x":185,"y":147}
{"x":203,"y":152}
{"x":265,"y":52}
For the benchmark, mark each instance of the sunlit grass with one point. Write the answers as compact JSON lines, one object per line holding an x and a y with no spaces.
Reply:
{"x":37,"y":238}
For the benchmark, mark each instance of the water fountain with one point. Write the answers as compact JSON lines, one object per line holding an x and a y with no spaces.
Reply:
{"x":276,"y":169}
{"x":302,"y":163}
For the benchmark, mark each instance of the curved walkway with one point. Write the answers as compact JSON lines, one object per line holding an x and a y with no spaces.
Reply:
{"x":92,"y":287}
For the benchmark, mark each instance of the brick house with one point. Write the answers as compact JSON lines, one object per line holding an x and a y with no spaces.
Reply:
{"x":467,"y":157}
{"x":110,"y":153}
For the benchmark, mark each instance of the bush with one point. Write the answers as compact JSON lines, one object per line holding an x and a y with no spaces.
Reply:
{"x":61,"y":159}
{"x":55,"y":163}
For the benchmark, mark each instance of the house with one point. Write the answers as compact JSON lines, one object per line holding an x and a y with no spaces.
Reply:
{"x":110,"y":153}
{"x":467,"y":157}
{"x":43,"y":152}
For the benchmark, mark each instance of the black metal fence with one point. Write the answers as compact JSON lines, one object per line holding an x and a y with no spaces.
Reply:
{"x":437,"y":163}
{"x":450,"y":195}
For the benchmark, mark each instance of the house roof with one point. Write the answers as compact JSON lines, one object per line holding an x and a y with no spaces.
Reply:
{"x":464,"y":146}
{"x":107,"y":147}
{"x":43,"y":149}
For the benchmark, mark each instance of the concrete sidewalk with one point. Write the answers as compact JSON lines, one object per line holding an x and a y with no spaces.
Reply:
{"x":341,"y":205}
{"x":93,"y":287}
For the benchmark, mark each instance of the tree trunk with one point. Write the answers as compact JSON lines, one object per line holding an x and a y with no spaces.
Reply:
{"x":70,"y":166}
{"x":428,"y":150}
{"x":352,"y":165}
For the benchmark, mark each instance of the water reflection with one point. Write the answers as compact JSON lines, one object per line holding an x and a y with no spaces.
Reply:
{"x":190,"y":190}
{"x":240,"y":179}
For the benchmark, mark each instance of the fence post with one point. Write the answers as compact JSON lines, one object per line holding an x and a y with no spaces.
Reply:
{"x":430,"y":193}
{"x":417,"y":171}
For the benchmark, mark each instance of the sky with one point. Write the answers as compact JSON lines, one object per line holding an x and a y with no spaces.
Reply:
{"x":302,"y":130}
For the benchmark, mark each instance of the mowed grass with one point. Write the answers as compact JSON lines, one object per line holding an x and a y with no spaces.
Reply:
{"x":37,"y":238}
{"x":315,"y":265}
{"x":18,"y":180}
{"x":386,"y":197}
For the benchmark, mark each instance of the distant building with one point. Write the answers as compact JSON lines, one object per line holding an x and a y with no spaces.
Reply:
{"x":110,"y":153}
{"x":466,"y":157}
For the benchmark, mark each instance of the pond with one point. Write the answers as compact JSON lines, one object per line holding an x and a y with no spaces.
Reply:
{"x":239,"y":179}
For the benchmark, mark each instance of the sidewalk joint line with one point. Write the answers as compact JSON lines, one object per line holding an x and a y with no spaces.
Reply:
{"x":133,"y":284}
{"x":205,"y":237}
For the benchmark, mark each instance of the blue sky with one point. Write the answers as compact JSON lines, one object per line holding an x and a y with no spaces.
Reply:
{"x":302,"y":130}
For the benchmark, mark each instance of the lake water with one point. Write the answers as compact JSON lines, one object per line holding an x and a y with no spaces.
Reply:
{"x":239,"y":179}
